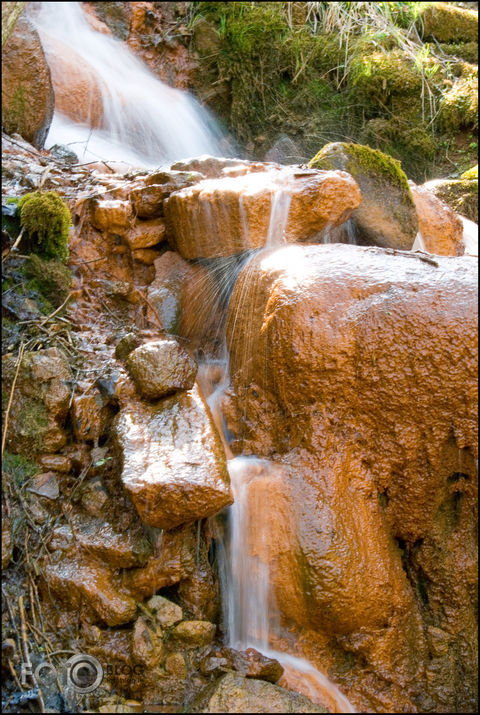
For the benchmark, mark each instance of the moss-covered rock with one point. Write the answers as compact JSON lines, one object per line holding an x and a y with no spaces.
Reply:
{"x":470,"y":173}
{"x":387,"y":215}
{"x":467,"y":51}
{"x":45,"y":219}
{"x":53,"y":278}
{"x":460,"y":194}
{"x":40,"y":402}
{"x":445,"y":22}
{"x":376,"y":76}
{"x":459,"y":105}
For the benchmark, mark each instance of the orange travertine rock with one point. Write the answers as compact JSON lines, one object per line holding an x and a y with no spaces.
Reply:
{"x":27,"y":92}
{"x":441,"y":228}
{"x":76,"y":85}
{"x":358,"y":370}
{"x":225,"y":216}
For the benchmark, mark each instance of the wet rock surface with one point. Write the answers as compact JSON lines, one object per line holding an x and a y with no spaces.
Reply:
{"x":42,"y":395}
{"x":222,"y":217}
{"x":160,"y":368}
{"x":235,"y":694}
{"x":27,"y":92}
{"x":441,"y":228}
{"x":353,"y":380}
{"x":173,"y":461}
{"x":249,"y":663}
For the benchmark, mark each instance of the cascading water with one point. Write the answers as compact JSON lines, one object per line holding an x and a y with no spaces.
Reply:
{"x":144,"y":122}
{"x":250,"y":615}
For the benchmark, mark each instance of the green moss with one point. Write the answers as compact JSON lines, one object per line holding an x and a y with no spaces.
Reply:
{"x":19,"y":467}
{"x":461,"y":195}
{"x":470,"y":173}
{"x":53,"y":278}
{"x":445,"y":22}
{"x":32,"y":420}
{"x":45,"y":219}
{"x":459,"y":106}
{"x":362,"y":159}
{"x":464,"y":50}
{"x":376,"y":76}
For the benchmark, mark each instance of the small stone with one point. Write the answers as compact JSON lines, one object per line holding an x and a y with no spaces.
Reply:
{"x":160,"y":368}
{"x":148,"y":256}
{"x":112,"y":216}
{"x":196,"y":633}
{"x":147,"y":648}
{"x":125,"y":346}
{"x":55,"y":462}
{"x":146,"y":234}
{"x":90,"y":416}
{"x":166,"y":612}
{"x":175,"y":665}
{"x":62,"y":538}
{"x":45,"y":485}
{"x":94,"y":496}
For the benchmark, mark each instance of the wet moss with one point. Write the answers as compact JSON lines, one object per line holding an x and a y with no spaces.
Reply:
{"x":52,"y":278}
{"x":18,"y":467}
{"x":359,"y":159}
{"x":45,"y":219}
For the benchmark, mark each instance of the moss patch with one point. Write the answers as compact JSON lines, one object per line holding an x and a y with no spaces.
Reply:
{"x":447,"y":23}
{"x":459,"y":106}
{"x":362,"y":159}
{"x":45,"y":219}
{"x":53,"y":278}
{"x":470,"y":173}
{"x":18,"y":467}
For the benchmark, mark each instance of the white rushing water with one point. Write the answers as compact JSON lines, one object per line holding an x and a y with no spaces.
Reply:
{"x":145,"y":122}
{"x":250,"y":613}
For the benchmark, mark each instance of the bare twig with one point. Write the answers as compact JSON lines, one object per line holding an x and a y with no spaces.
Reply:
{"x":10,"y":400}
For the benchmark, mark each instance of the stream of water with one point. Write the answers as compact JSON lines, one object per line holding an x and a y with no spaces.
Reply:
{"x":145,"y":122}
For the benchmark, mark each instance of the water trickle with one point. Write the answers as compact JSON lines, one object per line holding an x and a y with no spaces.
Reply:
{"x":145,"y":122}
{"x":280,"y":206}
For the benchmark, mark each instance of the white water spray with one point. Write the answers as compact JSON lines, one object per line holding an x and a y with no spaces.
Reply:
{"x":145,"y":122}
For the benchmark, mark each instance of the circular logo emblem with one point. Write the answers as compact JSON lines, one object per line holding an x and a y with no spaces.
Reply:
{"x":84,"y":673}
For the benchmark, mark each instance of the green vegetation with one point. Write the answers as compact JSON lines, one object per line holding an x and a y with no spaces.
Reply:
{"x":45,"y":219}
{"x":323,"y":72}
{"x":470,"y":173}
{"x":53,"y":279}
{"x":18,"y":467}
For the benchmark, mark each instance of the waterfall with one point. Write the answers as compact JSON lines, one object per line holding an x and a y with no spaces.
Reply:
{"x":250,"y":615}
{"x":144,"y":122}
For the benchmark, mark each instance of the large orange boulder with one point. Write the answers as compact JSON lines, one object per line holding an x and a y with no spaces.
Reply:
{"x":27,"y":92}
{"x":226,"y":216}
{"x":358,"y":370}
